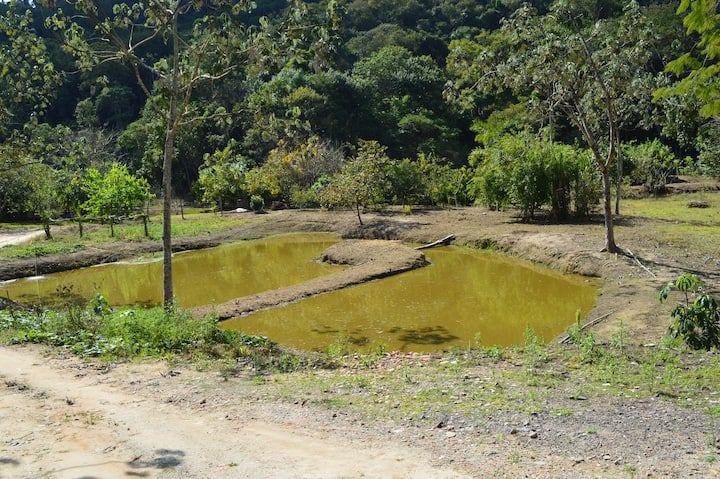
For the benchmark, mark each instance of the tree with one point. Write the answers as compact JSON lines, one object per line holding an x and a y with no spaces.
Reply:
{"x":576,"y":63}
{"x":222,"y":178}
{"x":114,"y":194}
{"x":208,"y":54}
{"x":699,"y":69}
{"x":362,"y":181}
{"x":28,"y":79}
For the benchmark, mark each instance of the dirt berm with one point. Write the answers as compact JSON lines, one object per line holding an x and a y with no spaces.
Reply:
{"x":366,"y":260}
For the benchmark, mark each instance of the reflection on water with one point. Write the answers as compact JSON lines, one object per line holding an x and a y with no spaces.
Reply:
{"x":463,"y":295}
{"x":213,"y":275}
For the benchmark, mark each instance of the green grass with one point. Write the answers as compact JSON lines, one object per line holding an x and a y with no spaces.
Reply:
{"x":66,"y":239}
{"x":697,"y":229}
{"x":674,"y":208}
{"x":473,"y":385}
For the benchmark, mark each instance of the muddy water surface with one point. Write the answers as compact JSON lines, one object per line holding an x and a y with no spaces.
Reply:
{"x":208,"y":276}
{"x":464,"y":295}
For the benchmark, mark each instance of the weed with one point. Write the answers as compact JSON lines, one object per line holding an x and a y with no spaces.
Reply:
{"x":534,"y":351}
{"x":339,"y":348}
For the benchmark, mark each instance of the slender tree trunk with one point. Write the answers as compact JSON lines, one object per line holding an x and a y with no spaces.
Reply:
{"x":80,"y":226}
{"x":112,"y":228}
{"x":182,"y":209}
{"x":145,"y":228}
{"x":357,"y":210}
{"x":610,"y":245}
{"x":618,"y":190}
{"x":46,"y":227}
{"x":168,"y":154}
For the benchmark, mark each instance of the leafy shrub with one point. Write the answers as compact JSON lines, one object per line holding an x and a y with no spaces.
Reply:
{"x":529,"y":173}
{"x":650,"y":164}
{"x":257,"y":203}
{"x":697,"y":317}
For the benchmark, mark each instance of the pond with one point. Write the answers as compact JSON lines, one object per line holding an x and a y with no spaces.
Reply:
{"x":208,"y":276}
{"x":464,"y":296}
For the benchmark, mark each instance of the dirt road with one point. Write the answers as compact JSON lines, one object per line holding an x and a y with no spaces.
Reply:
{"x":8,"y":239}
{"x":67,"y":423}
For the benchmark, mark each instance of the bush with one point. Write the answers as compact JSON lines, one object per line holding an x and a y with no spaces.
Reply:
{"x":650,"y":164}
{"x":529,"y":173}
{"x":257,"y":203}
{"x":697,"y":317}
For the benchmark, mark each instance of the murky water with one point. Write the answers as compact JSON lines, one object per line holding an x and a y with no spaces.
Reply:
{"x":213,"y":275}
{"x":464,"y":295}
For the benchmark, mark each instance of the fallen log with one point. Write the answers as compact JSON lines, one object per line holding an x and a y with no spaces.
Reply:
{"x":589,"y":324}
{"x":441,"y":242}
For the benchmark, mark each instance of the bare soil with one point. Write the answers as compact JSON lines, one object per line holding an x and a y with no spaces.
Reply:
{"x":64,"y":418}
{"x":61,"y":418}
{"x":367,"y":260}
{"x":19,"y":237}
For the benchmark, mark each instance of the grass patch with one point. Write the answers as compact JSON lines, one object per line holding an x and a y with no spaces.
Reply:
{"x":675,"y":208}
{"x":693,"y":228}
{"x":41,"y":249}
{"x":67,"y":240}
{"x":98,"y":331}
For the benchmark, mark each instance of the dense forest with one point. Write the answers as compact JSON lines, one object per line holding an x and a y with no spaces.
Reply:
{"x":353,"y":103}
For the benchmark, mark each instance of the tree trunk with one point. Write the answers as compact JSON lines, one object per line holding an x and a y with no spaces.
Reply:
{"x":46,"y":227}
{"x":618,"y":190}
{"x":610,"y":245}
{"x":145,"y":228}
{"x":168,"y":154}
{"x":182,"y":209}
{"x":112,"y":229}
{"x":80,"y":226}
{"x":357,"y":209}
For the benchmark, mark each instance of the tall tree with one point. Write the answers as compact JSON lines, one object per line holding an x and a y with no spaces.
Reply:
{"x":198,"y":56}
{"x":573,"y":63}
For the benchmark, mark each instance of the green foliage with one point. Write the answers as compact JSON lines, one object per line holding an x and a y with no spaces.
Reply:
{"x":650,"y":164}
{"x":709,"y":147}
{"x":362,"y":180}
{"x":257,"y":203}
{"x":28,"y":79}
{"x":700,"y":68}
{"x":406,"y":181}
{"x":114,"y":194}
{"x":697,"y":318}
{"x":99,"y":331}
{"x":222,"y":178}
{"x":530,"y":173}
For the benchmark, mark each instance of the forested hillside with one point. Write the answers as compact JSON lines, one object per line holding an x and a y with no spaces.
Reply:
{"x":358,"y":102}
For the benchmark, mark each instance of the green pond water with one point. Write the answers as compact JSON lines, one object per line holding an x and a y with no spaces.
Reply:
{"x":212,"y":275}
{"x":465,"y":294}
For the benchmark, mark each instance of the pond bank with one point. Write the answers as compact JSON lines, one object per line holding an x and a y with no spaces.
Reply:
{"x":367,"y":260}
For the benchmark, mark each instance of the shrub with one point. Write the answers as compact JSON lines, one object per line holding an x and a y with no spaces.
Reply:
{"x":650,"y":164}
{"x":697,"y":317}
{"x":530,"y":173}
{"x":257,"y":203}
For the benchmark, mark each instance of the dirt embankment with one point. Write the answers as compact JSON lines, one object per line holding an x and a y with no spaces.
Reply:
{"x":367,"y":260}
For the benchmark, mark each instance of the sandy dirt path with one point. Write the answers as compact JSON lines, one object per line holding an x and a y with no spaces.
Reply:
{"x":9,"y":239}
{"x":55,"y":423}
